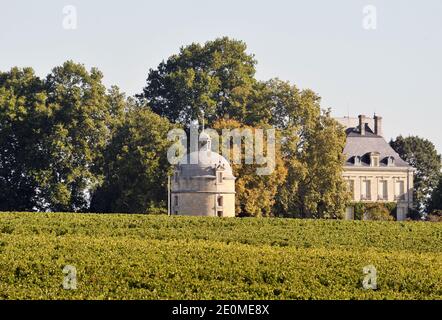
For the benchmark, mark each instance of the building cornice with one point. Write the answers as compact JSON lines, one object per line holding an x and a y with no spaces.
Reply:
{"x":382,"y":169}
{"x":208,"y":192}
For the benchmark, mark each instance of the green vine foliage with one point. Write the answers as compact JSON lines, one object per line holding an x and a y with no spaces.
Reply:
{"x":137,"y":257}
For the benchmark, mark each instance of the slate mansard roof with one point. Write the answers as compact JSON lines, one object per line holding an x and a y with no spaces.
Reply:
{"x":363,"y":146}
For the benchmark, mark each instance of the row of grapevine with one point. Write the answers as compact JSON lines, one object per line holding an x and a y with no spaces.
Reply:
{"x":157,"y":257}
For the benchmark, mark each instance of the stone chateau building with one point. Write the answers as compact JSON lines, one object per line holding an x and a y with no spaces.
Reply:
{"x":373,"y":170}
{"x":203,"y":184}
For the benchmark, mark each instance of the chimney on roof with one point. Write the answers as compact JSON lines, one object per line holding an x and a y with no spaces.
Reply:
{"x":377,"y":125}
{"x":362,"y":124}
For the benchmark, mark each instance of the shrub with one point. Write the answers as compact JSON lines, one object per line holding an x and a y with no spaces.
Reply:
{"x":414,"y":214}
{"x":375,"y":211}
{"x":379,"y":212}
{"x":435,"y":216}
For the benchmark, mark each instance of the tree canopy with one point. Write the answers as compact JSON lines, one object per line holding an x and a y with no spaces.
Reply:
{"x":421,"y":154}
{"x":255,"y":193}
{"x":135,"y":164}
{"x":55,"y":135}
{"x":217,"y":78}
{"x":435,"y":202}
{"x":24,"y":114}
{"x":78,"y":132}
{"x":311,"y":146}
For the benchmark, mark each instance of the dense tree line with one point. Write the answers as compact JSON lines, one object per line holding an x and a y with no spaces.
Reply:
{"x":66,"y":144}
{"x":69,"y":144}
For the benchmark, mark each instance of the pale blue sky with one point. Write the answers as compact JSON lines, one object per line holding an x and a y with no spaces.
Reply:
{"x":395,"y":70}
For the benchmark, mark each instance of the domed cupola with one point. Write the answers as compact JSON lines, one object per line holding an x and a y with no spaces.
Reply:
{"x":204,"y":142}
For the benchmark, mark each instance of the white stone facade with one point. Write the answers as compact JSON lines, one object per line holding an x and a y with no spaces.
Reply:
{"x":374,"y":172}
{"x":380,"y":185}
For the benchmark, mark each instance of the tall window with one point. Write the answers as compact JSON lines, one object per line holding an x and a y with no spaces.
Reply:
{"x":220,"y":201}
{"x":219,"y":177}
{"x":383,"y":190}
{"x":400,"y":190}
{"x":351,"y":188}
{"x":366,"y":190}
{"x":176,"y":201}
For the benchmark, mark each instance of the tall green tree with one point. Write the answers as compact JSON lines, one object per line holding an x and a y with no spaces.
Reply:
{"x":255,"y":194}
{"x":421,"y":154}
{"x":435,"y":202}
{"x":135,"y":164}
{"x":52,"y":135}
{"x":23,"y":123}
{"x":217,"y":78}
{"x":312,"y":145}
{"x":79,"y":131}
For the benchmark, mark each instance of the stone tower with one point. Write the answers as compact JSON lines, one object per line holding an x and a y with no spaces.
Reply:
{"x":203,"y":183}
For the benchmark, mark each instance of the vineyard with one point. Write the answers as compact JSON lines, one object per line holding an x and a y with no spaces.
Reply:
{"x":160,"y":257}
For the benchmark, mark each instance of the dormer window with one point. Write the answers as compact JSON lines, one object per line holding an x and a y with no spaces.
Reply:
{"x":390,"y":161}
{"x":374,"y":159}
{"x":357,"y":161}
